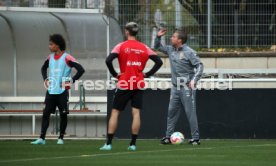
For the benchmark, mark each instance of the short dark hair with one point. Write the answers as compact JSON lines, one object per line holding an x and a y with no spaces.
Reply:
{"x":58,"y":40}
{"x":182,"y":35}
{"x":132,"y":28}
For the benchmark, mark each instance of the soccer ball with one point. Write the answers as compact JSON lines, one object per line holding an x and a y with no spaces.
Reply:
{"x":177,"y":138}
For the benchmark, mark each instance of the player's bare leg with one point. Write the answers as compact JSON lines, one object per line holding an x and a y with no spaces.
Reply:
{"x":113,"y":121}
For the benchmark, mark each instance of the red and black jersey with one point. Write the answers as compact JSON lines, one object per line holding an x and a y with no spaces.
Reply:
{"x":132,"y":56}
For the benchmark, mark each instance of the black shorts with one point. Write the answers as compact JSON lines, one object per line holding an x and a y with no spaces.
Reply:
{"x":122,"y":97}
{"x":60,"y":101}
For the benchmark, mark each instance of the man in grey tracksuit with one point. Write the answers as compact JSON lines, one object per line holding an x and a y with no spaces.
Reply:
{"x":186,"y":69}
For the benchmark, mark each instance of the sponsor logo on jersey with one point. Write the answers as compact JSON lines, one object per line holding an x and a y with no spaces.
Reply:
{"x":133,"y":63}
{"x":136,"y":51}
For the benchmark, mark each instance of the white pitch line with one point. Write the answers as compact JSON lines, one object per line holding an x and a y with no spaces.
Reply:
{"x":124,"y":153}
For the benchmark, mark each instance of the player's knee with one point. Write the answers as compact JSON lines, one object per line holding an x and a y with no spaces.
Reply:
{"x":136,"y":115}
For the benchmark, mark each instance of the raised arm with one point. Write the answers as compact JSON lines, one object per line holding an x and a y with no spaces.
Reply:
{"x":157,"y":42}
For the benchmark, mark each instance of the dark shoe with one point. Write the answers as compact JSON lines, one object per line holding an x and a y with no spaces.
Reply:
{"x":165,"y":141}
{"x":194,"y":142}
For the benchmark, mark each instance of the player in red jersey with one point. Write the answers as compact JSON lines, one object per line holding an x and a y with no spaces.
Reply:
{"x":132,"y":56}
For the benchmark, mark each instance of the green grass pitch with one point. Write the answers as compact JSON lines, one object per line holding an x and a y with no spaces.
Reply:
{"x":149,"y":152}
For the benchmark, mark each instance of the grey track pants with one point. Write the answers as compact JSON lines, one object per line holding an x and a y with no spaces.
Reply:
{"x":182,"y":99}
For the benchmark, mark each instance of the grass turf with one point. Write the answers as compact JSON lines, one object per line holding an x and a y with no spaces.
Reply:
{"x":149,"y":152}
